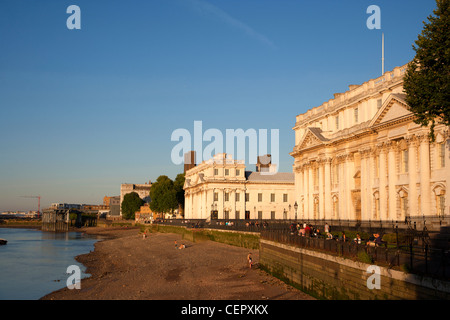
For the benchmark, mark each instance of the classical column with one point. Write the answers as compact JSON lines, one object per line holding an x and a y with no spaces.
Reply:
{"x":321,"y":206}
{"x":187,"y":213}
{"x":328,"y":204}
{"x":364,"y":177}
{"x":349,"y":176}
{"x":392,"y":174}
{"x":383,"y":182}
{"x":305,"y":191}
{"x":234,"y":202}
{"x":310,"y":192}
{"x":412,"y":175}
{"x":425,"y":190}
{"x":341,"y":188}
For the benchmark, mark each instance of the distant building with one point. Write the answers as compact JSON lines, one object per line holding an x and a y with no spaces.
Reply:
{"x":145,"y":214}
{"x":65,"y":206}
{"x":143,"y":190}
{"x":114,"y":206}
{"x":189,"y":160}
{"x":221,"y":188}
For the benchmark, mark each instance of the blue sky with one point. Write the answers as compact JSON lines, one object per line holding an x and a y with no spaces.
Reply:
{"x":83,"y":111}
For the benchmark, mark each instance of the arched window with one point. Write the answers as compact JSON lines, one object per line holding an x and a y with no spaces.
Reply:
{"x":404,"y":208}
{"x":335,"y":207}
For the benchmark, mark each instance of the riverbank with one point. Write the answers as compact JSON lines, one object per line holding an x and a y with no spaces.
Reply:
{"x":126,"y":266}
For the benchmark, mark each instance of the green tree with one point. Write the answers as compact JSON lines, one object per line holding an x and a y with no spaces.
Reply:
{"x":130,"y":204}
{"x":163,"y":195}
{"x":179,"y":191}
{"x":427,"y":78}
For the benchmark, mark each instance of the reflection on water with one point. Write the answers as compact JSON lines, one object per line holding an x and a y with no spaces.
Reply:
{"x":34,"y":263}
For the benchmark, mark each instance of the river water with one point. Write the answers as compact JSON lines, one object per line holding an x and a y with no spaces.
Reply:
{"x":34,"y":263}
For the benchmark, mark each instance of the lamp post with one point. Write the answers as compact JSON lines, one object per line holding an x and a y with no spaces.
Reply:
{"x":295,"y":208}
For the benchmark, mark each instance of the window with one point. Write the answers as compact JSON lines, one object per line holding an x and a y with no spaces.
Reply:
{"x":238,"y":172}
{"x":272,"y":197}
{"x":216,"y":172}
{"x":238,"y":197}
{"x":441,"y":153}
{"x":404,"y":206}
{"x":272,"y":215}
{"x":441,"y":205}
{"x":377,"y":166}
{"x":226,"y":215}
{"x":285,"y":197}
{"x":216,"y":196}
{"x":356,"y":115}
{"x":259,"y":197}
{"x":337,"y":122}
{"x":316,"y":177}
{"x":377,"y":208}
{"x":260,"y":215}
{"x":379,"y":103}
{"x":335,"y":175}
{"x":336,"y":208}
{"x":238,"y":213}
{"x":227,"y":172}
{"x":227,"y":196}
{"x":247,"y":197}
{"x":405,"y":161}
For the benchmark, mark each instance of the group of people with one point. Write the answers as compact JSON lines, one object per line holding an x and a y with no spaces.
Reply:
{"x":250,"y":224}
{"x":308,"y":230}
{"x":181,"y":246}
{"x":304,"y":230}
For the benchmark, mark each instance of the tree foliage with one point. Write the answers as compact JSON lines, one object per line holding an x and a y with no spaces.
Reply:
{"x":163,"y":195}
{"x":130,"y":205}
{"x":178,"y":185}
{"x":427,"y":78}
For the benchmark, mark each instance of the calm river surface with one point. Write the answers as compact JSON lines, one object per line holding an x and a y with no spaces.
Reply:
{"x":34,"y":263}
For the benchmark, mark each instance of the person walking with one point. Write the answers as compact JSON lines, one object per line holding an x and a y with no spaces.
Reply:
{"x":249,"y":259}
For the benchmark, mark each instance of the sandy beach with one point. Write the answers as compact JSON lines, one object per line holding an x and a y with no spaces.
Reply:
{"x":125,"y":266}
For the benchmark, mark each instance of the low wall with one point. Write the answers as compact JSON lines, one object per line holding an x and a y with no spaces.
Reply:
{"x":249,"y":240}
{"x":331,"y":277}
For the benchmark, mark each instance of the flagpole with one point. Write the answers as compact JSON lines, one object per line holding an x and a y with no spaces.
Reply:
{"x":382,"y":54}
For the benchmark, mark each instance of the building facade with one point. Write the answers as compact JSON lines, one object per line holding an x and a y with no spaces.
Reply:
{"x":143,"y":190}
{"x":360,"y":156}
{"x":221,"y":188}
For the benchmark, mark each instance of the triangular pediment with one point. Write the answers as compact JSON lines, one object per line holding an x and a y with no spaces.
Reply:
{"x":312,"y":138}
{"x":393,"y":109}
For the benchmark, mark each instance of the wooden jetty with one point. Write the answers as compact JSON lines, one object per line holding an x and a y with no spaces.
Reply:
{"x":55,"y":220}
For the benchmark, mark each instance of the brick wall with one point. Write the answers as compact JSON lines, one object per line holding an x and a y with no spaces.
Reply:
{"x":331,"y":277}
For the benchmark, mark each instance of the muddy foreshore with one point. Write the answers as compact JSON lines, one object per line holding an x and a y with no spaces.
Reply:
{"x":126,"y":266}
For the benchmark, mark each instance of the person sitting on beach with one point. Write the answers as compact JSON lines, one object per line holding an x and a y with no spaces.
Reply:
{"x":182,"y":246}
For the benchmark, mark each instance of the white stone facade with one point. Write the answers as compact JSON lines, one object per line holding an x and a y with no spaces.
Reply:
{"x":221,"y":188}
{"x":360,"y":156}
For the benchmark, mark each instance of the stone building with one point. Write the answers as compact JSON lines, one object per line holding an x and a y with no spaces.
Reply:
{"x":221,"y":188}
{"x":360,"y":156}
{"x":143,"y":190}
